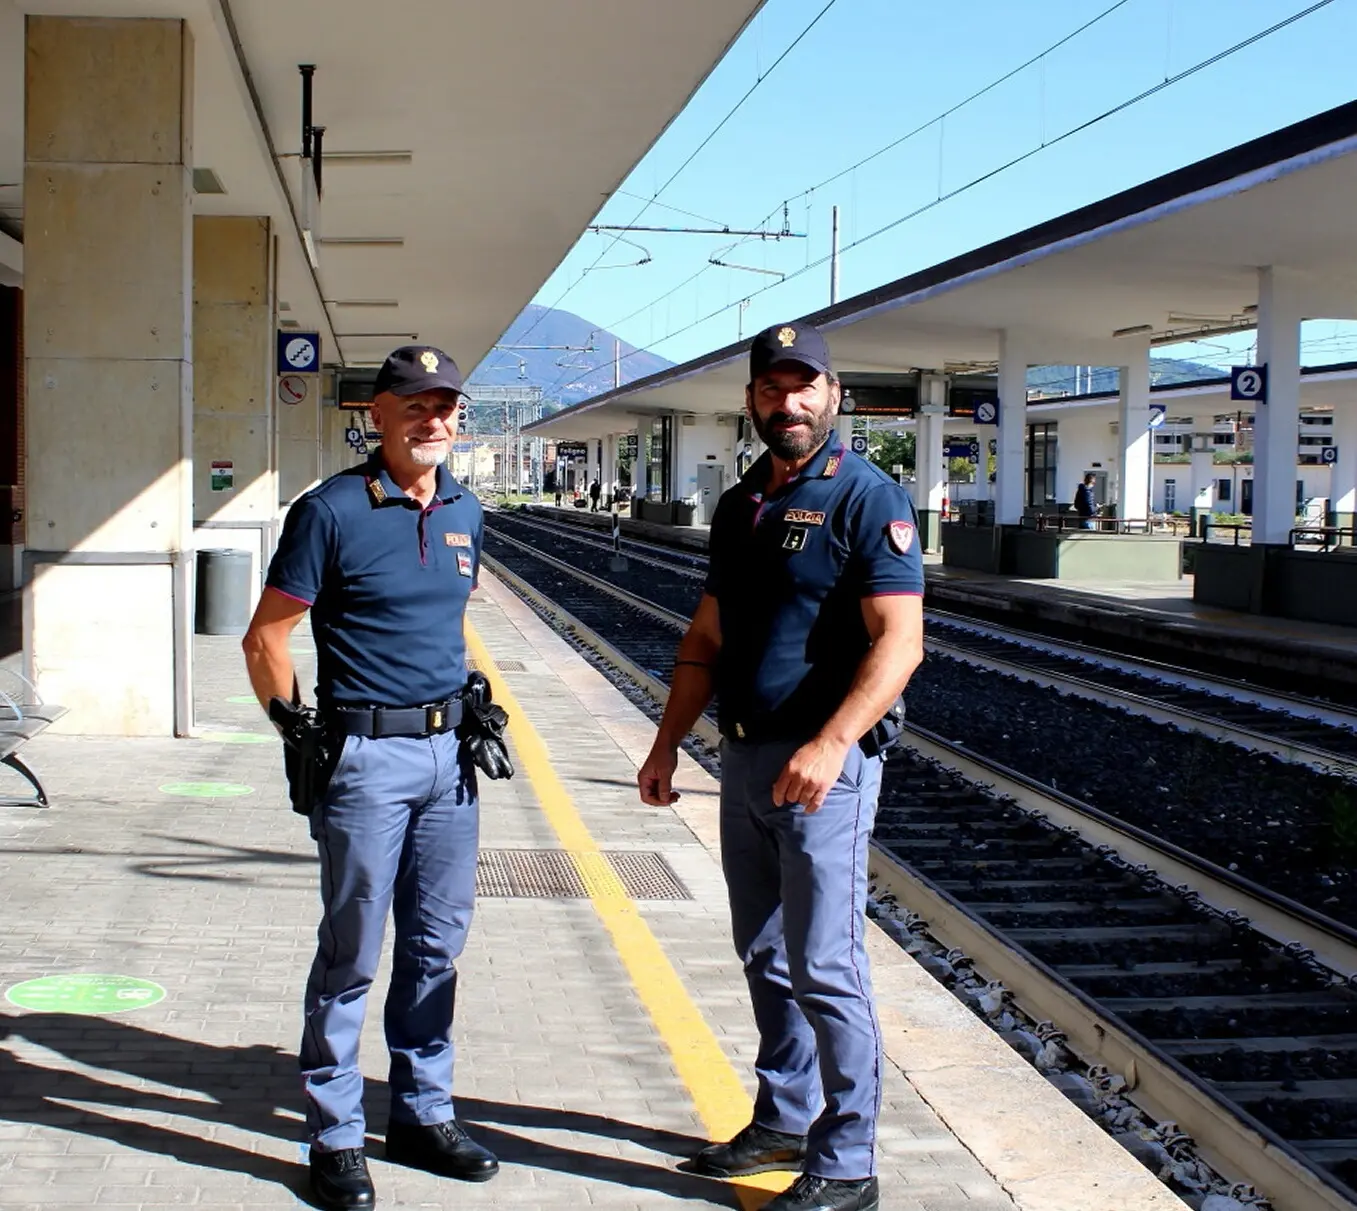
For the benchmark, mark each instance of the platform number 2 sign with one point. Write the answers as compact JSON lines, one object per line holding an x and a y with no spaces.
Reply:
{"x":1249,"y":384}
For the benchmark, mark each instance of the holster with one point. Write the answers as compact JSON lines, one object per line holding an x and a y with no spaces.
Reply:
{"x":886,"y":731}
{"x":481,"y":731}
{"x":310,"y":753}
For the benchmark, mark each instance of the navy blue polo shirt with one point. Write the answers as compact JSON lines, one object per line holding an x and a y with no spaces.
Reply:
{"x":789,"y":571}
{"x":387,"y":582}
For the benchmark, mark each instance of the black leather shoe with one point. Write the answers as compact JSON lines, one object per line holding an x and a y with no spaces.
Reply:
{"x":340,"y":1181}
{"x":811,"y":1193}
{"x":442,"y":1148}
{"x":754,"y":1150}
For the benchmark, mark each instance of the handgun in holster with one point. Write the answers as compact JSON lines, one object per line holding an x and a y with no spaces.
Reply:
{"x":482,"y":729}
{"x":310,"y":753}
{"x":886,"y":731}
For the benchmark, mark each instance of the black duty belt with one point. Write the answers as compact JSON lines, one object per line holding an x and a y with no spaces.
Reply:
{"x":377,"y":722}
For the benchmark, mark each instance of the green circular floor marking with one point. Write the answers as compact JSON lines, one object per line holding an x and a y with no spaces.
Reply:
{"x":85,"y":993}
{"x":239,"y":737}
{"x":207,"y":790}
{"x":243,"y":699}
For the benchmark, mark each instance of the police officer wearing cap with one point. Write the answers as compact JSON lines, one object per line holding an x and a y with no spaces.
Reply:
{"x":809,"y":629}
{"x":385,"y":555}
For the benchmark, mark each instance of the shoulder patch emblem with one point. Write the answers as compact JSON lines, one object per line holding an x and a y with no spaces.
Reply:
{"x":795,"y":539}
{"x":832,"y":466}
{"x":376,"y":491}
{"x":464,"y":563}
{"x":807,"y":516}
{"x":901,"y":536}
{"x":457,"y":540}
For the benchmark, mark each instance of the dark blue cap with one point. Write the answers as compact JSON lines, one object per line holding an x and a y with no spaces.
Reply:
{"x":415,"y":368}
{"x":788,"y":343}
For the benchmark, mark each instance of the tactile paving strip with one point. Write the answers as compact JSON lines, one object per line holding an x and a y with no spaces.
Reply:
{"x":550,"y":874}
{"x":504,"y":666}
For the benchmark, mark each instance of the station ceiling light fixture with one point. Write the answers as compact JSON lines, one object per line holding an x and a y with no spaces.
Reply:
{"x":363,"y":302}
{"x":1133,"y":330}
{"x":205,"y":180}
{"x":361,"y":241}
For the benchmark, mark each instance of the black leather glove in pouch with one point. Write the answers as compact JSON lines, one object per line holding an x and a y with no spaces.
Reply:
{"x":482,"y":729}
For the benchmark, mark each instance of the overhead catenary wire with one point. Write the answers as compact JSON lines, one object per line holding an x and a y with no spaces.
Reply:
{"x":760,"y":77}
{"x":806,"y":194}
{"x":1014,"y":161}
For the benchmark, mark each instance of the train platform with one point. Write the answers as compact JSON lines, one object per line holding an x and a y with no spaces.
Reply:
{"x":160,"y":918}
{"x":1158,"y":614}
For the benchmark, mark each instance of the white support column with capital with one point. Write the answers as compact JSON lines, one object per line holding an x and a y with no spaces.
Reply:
{"x":1203,"y":456}
{"x":1010,"y":470}
{"x":640,"y":468}
{"x":1343,"y":481}
{"x":1277,"y":421}
{"x":1135,"y":438}
{"x":929,"y":460}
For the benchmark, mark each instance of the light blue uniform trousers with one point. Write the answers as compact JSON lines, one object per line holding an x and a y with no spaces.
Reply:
{"x":798,"y":891}
{"x":398,"y":829}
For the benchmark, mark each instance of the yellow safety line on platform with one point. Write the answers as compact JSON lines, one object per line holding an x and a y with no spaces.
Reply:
{"x":717,"y":1093}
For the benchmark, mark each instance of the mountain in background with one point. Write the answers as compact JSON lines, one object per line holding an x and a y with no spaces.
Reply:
{"x":566,"y":375}
{"x":1055,"y":379}
{"x":579,"y":363}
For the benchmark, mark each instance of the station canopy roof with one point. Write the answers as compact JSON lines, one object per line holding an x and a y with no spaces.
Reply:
{"x":1175,"y":257}
{"x":467,"y":145}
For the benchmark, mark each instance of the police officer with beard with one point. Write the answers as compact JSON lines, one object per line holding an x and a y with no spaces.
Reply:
{"x":809,"y":629}
{"x":384,"y":556}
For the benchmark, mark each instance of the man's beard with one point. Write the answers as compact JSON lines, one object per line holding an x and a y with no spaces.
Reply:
{"x":792,"y":444}
{"x":430,"y":455}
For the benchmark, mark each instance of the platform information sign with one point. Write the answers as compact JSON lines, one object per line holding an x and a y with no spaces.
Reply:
{"x":1159,"y":413}
{"x":298,"y":352}
{"x":1249,"y":383}
{"x":1329,"y":455}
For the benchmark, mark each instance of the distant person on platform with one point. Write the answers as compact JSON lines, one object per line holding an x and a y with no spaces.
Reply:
{"x":595,"y":490}
{"x":559,"y":496}
{"x":1085,"y":504}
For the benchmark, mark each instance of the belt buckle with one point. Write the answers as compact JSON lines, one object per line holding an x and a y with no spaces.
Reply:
{"x":739,"y":731}
{"x":435,"y":717}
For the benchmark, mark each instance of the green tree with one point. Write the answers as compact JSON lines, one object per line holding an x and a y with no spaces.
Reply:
{"x":887,"y":449}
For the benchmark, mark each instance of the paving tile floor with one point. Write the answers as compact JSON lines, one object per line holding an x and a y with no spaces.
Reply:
{"x":195,"y":1100}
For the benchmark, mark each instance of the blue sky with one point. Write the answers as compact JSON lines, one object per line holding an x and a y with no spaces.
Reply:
{"x":871,"y":70}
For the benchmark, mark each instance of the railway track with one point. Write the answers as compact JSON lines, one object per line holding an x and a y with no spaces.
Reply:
{"x":1319,"y":735}
{"x":1228,"y":1009}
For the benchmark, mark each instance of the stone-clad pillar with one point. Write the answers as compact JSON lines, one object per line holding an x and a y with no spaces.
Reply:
{"x":1276,"y":422}
{"x":234,"y":393}
{"x":1010,"y":480}
{"x":107,"y":317}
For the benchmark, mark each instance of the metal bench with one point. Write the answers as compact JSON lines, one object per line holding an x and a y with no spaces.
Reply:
{"x":23,"y":715}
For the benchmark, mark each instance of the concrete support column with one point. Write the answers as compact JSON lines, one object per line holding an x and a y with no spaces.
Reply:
{"x":1343,"y":481}
{"x":234,"y":393}
{"x":609,"y":466}
{"x":930,"y":464}
{"x":1135,"y":438}
{"x":1203,"y":479}
{"x":1276,"y":422}
{"x":1010,"y":468}
{"x":109,"y":433}
{"x":640,"y":471}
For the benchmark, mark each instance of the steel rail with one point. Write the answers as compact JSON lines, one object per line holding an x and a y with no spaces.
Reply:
{"x":1208,"y":683}
{"x":1294,"y":751}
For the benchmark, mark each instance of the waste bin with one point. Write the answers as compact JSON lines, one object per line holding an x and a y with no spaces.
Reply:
{"x":223,"y":593}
